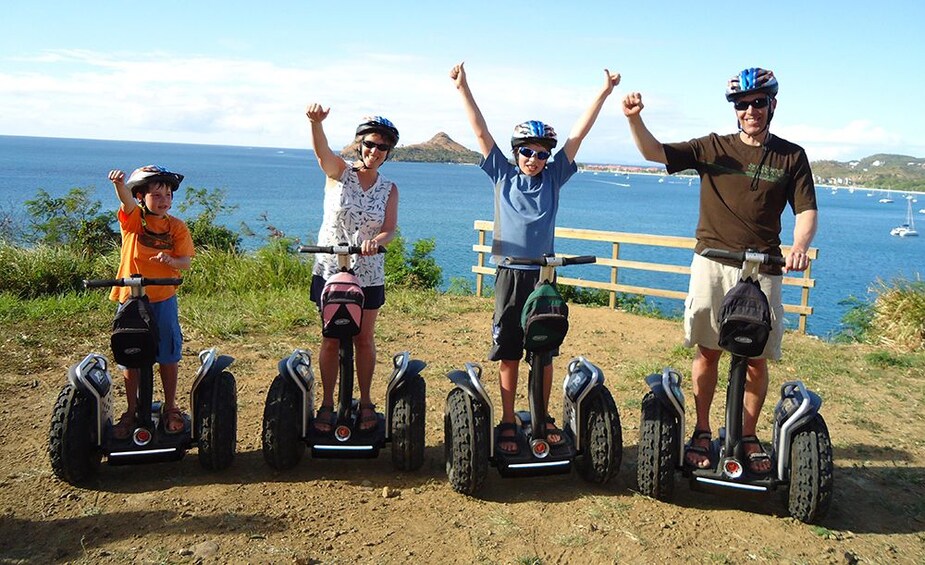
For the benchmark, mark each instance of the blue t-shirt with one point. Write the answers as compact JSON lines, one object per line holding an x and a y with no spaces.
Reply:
{"x":525,"y":207}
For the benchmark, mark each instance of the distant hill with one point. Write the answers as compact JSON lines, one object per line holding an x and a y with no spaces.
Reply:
{"x":897,"y":172}
{"x":439,"y":149}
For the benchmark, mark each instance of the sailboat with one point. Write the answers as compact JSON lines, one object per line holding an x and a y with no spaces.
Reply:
{"x":887,"y":200}
{"x":907,"y":229}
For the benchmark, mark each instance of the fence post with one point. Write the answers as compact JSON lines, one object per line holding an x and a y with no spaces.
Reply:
{"x":614,"y":254}
{"x":804,"y":298}
{"x":481,"y":263}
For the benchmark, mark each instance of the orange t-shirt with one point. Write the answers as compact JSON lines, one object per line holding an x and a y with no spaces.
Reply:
{"x":143,"y":237}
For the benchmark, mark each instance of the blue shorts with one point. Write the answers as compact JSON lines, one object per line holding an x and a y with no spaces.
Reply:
{"x":170,"y":343}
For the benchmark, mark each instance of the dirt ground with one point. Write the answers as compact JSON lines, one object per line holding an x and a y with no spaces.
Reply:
{"x":337,"y":511}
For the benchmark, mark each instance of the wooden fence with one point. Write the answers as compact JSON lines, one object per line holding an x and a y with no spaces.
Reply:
{"x":614,"y":263}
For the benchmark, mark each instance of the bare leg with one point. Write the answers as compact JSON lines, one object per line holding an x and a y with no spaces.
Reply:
{"x":131,"y":390}
{"x":547,"y":390}
{"x":328,"y":360}
{"x":365,"y":344}
{"x":756,"y":390}
{"x":704,"y":374}
{"x":509,"y":375}
{"x":169,"y":375}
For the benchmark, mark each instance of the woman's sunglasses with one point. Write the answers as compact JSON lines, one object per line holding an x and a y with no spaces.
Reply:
{"x":527,"y":152}
{"x":380,"y":146}
{"x":757,"y":103}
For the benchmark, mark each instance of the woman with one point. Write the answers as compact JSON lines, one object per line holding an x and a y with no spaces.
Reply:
{"x":360,"y":208}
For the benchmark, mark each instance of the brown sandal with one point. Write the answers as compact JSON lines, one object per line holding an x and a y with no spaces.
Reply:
{"x":368,"y":420}
{"x":173,"y":417}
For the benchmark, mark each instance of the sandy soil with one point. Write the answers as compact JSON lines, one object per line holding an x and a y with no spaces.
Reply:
{"x":335,"y":511}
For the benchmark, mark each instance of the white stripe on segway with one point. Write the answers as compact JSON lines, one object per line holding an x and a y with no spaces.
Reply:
{"x":145,"y":452}
{"x":534,"y":465}
{"x":343,"y":447}
{"x":730,"y":485}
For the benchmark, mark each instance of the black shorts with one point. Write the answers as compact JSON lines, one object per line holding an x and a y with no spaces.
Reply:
{"x":512,"y":287}
{"x":373,"y":296}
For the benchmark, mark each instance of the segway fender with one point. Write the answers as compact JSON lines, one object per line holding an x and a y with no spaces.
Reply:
{"x":405,"y":370}
{"x":581,"y":383}
{"x":470,"y":381}
{"x":91,"y":376}
{"x":298,"y":368}
{"x":797,"y":406}
{"x":211,"y":366}
{"x":666,"y":386}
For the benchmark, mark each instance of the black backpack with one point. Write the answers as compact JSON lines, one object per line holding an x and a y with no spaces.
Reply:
{"x":745,"y":319}
{"x":544,"y":319}
{"x":134,"y":334}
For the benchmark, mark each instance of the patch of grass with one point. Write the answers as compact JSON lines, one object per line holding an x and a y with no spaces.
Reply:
{"x":886,"y":359}
{"x":529,"y":560}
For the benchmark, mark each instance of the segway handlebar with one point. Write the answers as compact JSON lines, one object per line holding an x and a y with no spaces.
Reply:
{"x":132,"y":282}
{"x":335,"y":249}
{"x":551,"y":261}
{"x":744,"y":256}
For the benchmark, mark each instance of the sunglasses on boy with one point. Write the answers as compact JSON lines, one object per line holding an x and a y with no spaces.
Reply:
{"x":380,"y":146}
{"x":758,"y":103}
{"x":527,"y":152}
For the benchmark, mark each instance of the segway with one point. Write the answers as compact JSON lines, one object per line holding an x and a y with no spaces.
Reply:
{"x":801,"y":450}
{"x":82,"y":420}
{"x":591,"y":434}
{"x":289,"y":412}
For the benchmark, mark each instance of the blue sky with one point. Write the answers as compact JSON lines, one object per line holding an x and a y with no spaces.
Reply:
{"x":239,"y":73}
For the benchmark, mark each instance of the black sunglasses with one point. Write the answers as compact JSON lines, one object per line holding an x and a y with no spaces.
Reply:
{"x":527,"y":152}
{"x":757,"y":103}
{"x":380,"y":146}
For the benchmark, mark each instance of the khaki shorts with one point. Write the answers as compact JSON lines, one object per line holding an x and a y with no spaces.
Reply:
{"x":710,"y":281}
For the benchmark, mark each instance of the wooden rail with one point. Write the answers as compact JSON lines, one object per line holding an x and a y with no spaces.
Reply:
{"x":614,"y":263}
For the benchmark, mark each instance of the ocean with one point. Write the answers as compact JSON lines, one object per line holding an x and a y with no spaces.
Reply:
{"x":282,"y":188}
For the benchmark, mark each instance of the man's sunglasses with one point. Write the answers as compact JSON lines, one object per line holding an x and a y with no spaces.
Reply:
{"x":527,"y":152}
{"x":757,"y":103}
{"x":380,"y":146}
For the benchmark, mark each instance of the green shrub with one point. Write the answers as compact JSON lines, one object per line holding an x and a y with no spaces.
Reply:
{"x":73,"y":221}
{"x":46,"y":270}
{"x":898,"y":319}
{"x":203,"y":229}
{"x":419,"y":270}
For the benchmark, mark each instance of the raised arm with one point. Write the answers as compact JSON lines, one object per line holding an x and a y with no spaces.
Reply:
{"x":117,"y":178}
{"x":476,"y":120}
{"x":332,"y":165}
{"x":650,"y":148}
{"x":584,"y":123}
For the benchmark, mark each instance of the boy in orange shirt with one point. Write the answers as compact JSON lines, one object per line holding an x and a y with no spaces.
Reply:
{"x":154,"y":245}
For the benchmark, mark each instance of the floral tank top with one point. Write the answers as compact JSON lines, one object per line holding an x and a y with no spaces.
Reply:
{"x":352,"y":215}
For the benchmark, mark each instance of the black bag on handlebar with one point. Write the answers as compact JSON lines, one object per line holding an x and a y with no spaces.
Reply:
{"x":134,"y":334}
{"x":745,"y":319}
{"x":544,"y":319}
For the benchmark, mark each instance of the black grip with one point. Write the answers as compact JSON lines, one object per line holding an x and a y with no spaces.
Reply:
{"x":522,"y":261}
{"x":580,"y":260}
{"x":102,"y":283}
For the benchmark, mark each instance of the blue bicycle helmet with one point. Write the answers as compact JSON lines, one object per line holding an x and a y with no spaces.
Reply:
{"x":143,"y":176}
{"x":380,"y":125}
{"x":534,"y":131}
{"x":750,"y":81}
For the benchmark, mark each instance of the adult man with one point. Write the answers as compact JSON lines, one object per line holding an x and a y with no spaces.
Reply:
{"x":746,"y":180}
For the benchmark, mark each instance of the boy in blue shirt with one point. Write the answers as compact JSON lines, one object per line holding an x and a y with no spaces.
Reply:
{"x":526,"y":203}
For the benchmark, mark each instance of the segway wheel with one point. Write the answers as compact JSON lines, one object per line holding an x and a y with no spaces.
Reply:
{"x":282,"y":425}
{"x":72,"y":440}
{"x":407,"y":426}
{"x":466,"y":442}
{"x":602,"y":452}
{"x":810,"y":492}
{"x":217,"y":422}
{"x":658,"y":450}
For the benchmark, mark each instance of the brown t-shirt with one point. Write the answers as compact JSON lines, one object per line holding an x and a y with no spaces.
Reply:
{"x":733,"y":215}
